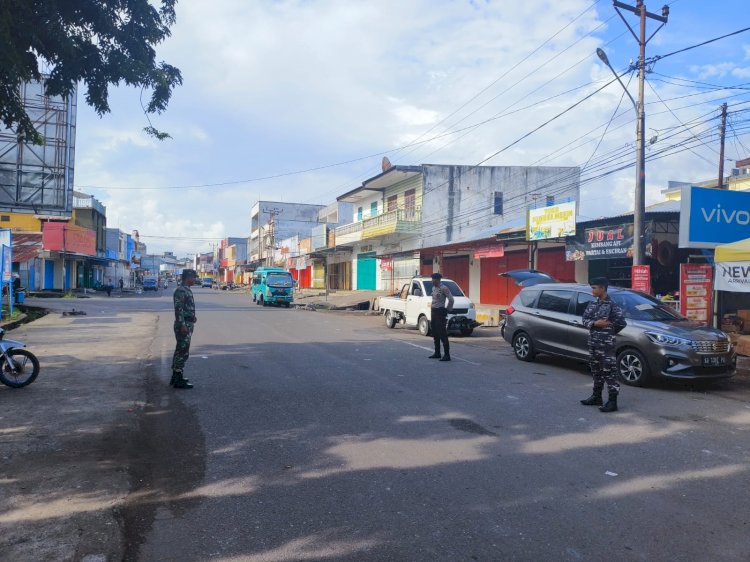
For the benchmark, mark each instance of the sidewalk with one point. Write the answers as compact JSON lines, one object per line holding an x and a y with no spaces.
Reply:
{"x":339,"y":300}
{"x":66,"y":438}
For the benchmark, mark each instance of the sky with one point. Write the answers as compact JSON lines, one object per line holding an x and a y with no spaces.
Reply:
{"x":299,"y":100}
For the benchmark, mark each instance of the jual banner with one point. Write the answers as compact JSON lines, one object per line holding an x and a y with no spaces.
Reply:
{"x":732,"y":276}
{"x":696,"y":292}
{"x":555,"y":221}
{"x":601,"y":243}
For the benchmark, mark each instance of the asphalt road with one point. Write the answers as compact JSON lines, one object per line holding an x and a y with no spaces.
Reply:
{"x":326,"y":436}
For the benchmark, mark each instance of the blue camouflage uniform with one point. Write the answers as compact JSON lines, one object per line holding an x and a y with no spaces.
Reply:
{"x":602,"y":342}
{"x":184,"y":316}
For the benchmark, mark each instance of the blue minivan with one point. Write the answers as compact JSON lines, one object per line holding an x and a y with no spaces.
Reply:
{"x":273,"y":285}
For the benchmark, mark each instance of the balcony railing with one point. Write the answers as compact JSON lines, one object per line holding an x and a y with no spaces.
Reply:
{"x":349,"y":233}
{"x":398,"y":221}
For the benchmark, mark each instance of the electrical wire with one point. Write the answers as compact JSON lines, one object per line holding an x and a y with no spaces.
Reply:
{"x":660,"y":57}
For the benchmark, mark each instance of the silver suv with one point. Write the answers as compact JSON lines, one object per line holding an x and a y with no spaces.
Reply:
{"x":657,"y":342}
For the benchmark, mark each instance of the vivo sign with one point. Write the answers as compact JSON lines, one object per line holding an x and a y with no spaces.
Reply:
{"x":709,"y":217}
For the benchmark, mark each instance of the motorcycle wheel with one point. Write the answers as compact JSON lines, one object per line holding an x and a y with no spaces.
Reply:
{"x":27,"y":369}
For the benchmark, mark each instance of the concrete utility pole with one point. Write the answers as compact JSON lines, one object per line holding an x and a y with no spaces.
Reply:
{"x":639,"y":214}
{"x":721,"y":151}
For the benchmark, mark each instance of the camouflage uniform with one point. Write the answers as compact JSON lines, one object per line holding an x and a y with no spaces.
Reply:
{"x":184,"y":316}
{"x":602,"y":343}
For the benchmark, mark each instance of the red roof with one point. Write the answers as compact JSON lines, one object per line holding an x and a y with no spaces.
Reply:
{"x":26,"y":246}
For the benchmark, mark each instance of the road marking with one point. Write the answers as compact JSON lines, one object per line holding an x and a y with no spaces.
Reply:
{"x":430,"y":349}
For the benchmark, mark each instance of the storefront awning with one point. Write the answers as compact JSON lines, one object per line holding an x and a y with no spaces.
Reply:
{"x":735,"y":251}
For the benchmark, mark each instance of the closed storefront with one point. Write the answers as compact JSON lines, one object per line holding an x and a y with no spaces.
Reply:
{"x":366,"y":271}
{"x":553,"y":261}
{"x":457,"y":268}
{"x":318,"y":275}
{"x":396,"y":271}
{"x":496,"y":289}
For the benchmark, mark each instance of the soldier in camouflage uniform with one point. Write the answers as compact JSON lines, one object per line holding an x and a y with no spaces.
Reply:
{"x":604,"y":319}
{"x":184,"y":321}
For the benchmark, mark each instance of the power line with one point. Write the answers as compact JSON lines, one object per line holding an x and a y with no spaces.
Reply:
{"x":659,"y":57}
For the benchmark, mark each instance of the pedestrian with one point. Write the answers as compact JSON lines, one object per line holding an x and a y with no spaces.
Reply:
{"x":442,"y":304}
{"x":604,"y":319}
{"x":122,"y":284}
{"x":108,"y":287}
{"x":184,"y":321}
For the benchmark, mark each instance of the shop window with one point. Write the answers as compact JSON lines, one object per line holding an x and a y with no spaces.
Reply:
{"x":4,"y":218}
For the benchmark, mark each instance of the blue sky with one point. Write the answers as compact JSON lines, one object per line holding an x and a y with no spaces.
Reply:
{"x":276,"y":87}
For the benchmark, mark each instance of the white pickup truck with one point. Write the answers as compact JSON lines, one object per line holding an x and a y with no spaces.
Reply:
{"x":413,"y":304}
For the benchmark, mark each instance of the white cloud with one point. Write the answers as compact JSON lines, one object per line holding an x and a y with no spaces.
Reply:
{"x":273,"y":87}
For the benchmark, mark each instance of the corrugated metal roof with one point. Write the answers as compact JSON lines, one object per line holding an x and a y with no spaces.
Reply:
{"x":26,"y":246}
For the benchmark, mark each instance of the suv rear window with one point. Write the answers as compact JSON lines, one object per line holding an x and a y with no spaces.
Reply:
{"x":555,"y":301}
{"x":527,"y":298}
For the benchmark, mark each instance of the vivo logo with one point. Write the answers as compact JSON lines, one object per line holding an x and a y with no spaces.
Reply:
{"x":719,"y":215}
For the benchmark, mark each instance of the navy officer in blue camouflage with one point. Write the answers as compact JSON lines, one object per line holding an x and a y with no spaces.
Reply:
{"x":604,"y":319}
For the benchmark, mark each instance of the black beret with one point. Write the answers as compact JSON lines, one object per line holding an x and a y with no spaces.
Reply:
{"x":601,"y":281}
{"x":436,"y":276}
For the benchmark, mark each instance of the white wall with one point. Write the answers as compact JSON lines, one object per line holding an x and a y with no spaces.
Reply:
{"x":458,"y":201}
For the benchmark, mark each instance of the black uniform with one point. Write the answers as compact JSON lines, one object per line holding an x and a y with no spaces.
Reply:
{"x":602,"y":342}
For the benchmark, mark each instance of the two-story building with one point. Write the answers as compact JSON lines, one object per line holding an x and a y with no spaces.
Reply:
{"x":412,"y":220}
{"x":384,"y":236}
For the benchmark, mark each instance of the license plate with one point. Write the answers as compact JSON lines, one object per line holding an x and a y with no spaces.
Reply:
{"x":714,"y":360}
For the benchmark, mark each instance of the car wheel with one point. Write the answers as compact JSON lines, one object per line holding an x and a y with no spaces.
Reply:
{"x":632,"y":367}
{"x":467,"y":332}
{"x":523,"y":347}
{"x":424,"y":326}
{"x":390,"y":321}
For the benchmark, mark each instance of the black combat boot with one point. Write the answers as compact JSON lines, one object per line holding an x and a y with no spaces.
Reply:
{"x":595,"y":399}
{"x":611,"y":405}
{"x":176,"y":377}
{"x":446,"y":357}
{"x":182,"y":382}
{"x":435,"y":355}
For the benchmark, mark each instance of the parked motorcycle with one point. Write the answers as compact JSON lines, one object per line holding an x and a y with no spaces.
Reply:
{"x":18,"y":367}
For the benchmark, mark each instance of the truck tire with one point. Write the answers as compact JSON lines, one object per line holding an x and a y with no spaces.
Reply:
{"x":424,"y":326}
{"x":390,"y":321}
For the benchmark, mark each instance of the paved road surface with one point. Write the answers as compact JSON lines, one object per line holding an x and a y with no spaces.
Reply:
{"x":325,"y":436}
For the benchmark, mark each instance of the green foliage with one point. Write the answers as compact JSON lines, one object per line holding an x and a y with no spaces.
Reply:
{"x":97,"y":42}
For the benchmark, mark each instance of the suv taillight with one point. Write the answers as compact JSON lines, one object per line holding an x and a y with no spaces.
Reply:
{"x":510,"y":310}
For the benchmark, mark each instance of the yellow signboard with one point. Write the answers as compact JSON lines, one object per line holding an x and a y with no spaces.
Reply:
{"x":556,"y":221}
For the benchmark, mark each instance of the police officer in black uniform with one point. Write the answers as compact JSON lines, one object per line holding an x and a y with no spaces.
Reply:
{"x":604,"y":319}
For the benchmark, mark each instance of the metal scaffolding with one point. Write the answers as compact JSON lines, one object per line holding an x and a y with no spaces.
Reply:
{"x":38,"y":179}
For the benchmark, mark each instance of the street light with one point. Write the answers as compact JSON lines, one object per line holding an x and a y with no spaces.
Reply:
{"x":639,"y":212}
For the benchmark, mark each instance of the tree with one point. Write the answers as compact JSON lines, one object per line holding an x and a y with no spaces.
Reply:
{"x":97,"y":42}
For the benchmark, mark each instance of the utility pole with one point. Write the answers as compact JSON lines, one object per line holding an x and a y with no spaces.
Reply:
{"x":639,"y":214}
{"x":721,"y":151}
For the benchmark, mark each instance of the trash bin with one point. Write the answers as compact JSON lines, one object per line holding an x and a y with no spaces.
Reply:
{"x":20,"y":297}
